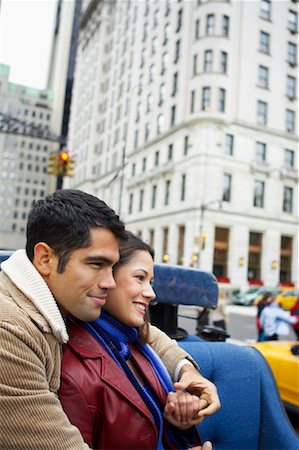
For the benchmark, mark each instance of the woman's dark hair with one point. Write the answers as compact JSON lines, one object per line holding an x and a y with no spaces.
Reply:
{"x":127,"y":250}
{"x":64,"y":220}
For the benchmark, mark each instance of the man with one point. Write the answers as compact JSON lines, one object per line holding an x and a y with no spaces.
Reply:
{"x":71,"y":248}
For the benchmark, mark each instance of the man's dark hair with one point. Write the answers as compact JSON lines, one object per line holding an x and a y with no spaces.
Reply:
{"x":64,"y":220}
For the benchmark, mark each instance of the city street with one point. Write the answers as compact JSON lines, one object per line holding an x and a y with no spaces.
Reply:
{"x":241,"y":328}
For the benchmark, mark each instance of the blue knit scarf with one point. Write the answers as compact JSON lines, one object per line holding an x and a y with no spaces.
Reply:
{"x":115,"y":338}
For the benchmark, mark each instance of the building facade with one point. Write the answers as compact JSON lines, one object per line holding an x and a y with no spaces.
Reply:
{"x":25,"y":145}
{"x":184,"y":120}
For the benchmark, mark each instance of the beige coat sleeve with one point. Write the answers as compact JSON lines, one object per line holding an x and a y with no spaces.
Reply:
{"x":167,"y":349}
{"x":31,"y":416}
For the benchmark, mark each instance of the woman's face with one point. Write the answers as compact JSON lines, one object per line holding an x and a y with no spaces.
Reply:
{"x":130,"y":299}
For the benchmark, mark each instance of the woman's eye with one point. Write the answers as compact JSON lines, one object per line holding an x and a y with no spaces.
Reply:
{"x":140,"y":277}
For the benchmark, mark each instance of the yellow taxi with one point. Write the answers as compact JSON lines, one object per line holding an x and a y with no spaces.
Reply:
{"x":283,"y":358}
{"x":288,"y":298}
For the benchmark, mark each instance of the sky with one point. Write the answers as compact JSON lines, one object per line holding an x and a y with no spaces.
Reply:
{"x":26,"y":28}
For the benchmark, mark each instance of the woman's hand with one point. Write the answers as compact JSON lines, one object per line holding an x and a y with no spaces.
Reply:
{"x":181,"y":409}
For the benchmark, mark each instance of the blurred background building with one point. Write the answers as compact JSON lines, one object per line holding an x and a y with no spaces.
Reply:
{"x":25,"y":143}
{"x":184,"y":120}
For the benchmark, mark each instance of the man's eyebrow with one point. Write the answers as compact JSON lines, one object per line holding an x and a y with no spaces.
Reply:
{"x":99,"y":259}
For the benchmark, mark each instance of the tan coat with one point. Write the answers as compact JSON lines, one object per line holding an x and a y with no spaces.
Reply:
{"x":31,"y":417}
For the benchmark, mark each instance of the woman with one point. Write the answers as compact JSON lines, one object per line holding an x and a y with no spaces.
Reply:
{"x":120,"y":401}
{"x":264,"y":301}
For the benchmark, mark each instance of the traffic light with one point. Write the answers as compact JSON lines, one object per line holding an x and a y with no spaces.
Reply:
{"x":67,"y":164}
{"x":53,"y":164}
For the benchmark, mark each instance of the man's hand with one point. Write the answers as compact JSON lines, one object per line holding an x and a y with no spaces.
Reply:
{"x":192,"y":381}
{"x":181,"y":409}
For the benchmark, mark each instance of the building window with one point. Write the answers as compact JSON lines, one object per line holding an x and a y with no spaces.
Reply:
{"x":179,"y":20}
{"x":165,"y":244}
{"x":144,"y":164}
{"x":259,"y":192}
{"x":156,"y":159}
{"x":167,"y":192}
{"x":154,"y":45}
{"x":260,"y":151}
{"x":222,"y":94}
{"x":141,"y":195}
{"x":142,"y":58}
{"x":192,"y":103}
{"x":181,"y":244}
{"x":227,"y":184}
{"x":292,"y":54}
{"x":170,"y":152}
{"x":210,"y":24}
{"x":151,"y":75}
{"x":287,"y":199}
{"x":292,"y":21}
{"x":225,"y":26}
{"x":177,"y":51}
{"x":286,"y":245}
{"x":221,"y":246}
{"x":151,"y":237}
{"x":265,"y":11}
{"x":206,"y":98}
{"x":223,"y":62}
{"x":160,"y":123}
{"x":197,"y":29}
{"x":154,"y":196}
{"x":186,"y":145}
{"x":208,"y":61}
{"x":149,"y":102}
{"x":289,"y":158}
{"x":172,"y":115}
{"x":164,"y":62}
{"x":161,"y":94}
{"x":262,"y":113}
{"x":146,"y":131}
{"x":145,"y":30}
{"x":183,"y":187}
{"x":290,"y":121}
{"x":131,"y":198}
{"x":291,"y":87}
{"x":229,"y":144}
{"x":194,"y":64}
{"x":174,"y":84}
{"x":264,"y":42}
{"x":133,"y":170}
{"x":136,"y":139}
{"x":166,"y":33}
{"x":263,"y":77}
{"x":254,"y":256}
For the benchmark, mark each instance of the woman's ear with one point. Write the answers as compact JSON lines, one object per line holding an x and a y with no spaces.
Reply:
{"x":43,"y":258}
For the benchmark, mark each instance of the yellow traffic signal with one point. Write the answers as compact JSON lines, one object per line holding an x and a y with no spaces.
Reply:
{"x":53,"y":164}
{"x":67,"y":164}
{"x":203,"y":240}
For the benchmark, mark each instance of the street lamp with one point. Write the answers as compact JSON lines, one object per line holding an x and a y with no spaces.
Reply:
{"x":202,"y":235}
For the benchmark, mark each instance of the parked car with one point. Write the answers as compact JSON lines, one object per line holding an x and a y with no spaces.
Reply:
{"x":288,"y":298}
{"x":237,"y":298}
{"x":283,"y":358}
{"x":249,"y":297}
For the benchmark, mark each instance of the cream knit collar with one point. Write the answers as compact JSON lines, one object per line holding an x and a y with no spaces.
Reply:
{"x":29,"y":281}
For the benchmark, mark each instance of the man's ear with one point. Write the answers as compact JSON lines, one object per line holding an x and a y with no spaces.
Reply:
{"x":43,"y":258}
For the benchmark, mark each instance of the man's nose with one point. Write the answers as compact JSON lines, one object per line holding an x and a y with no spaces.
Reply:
{"x":107,"y":281}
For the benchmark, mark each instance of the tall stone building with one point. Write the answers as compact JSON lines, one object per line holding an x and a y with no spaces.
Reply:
{"x":184,"y":119}
{"x":25,"y":145}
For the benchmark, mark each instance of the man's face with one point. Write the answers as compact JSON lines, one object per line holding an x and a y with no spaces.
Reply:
{"x":81,"y":289}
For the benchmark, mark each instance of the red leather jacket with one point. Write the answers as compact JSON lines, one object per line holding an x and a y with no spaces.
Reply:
{"x":100,"y":400}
